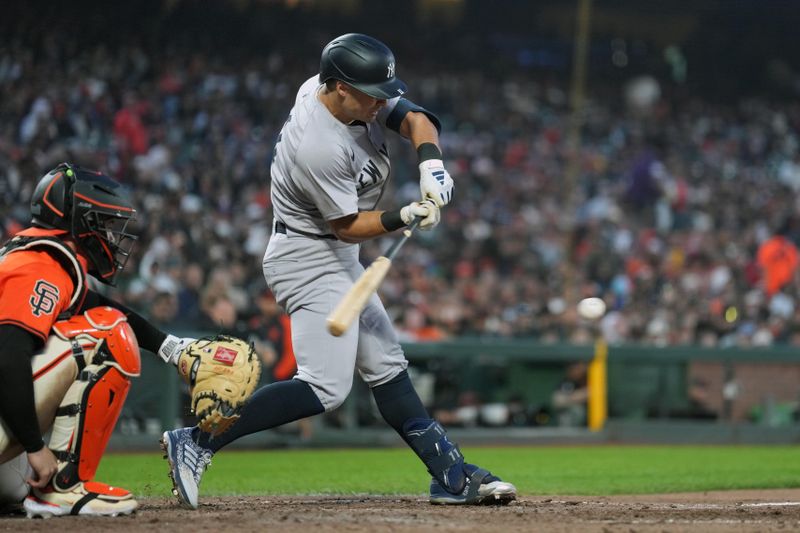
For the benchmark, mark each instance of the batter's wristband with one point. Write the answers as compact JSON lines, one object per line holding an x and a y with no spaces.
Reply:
{"x":391,"y":220}
{"x":427,"y":151}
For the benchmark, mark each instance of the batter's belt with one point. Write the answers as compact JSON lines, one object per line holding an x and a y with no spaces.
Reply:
{"x":280,"y":227}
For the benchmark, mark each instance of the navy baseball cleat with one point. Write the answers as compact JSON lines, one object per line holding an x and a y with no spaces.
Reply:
{"x":187,"y":463}
{"x":481,"y":487}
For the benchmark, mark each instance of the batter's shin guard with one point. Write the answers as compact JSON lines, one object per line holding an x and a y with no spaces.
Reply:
{"x":429,"y":441}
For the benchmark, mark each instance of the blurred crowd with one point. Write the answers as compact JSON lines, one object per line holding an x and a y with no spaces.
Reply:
{"x":681,"y":213}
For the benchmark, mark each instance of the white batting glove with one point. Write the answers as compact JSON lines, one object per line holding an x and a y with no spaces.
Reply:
{"x":426,"y":209}
{"x":435,"y":182}
{"x":172,"y":347}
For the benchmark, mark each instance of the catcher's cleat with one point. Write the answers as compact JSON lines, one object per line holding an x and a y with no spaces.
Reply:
{"x":89,"y":499}
{"x":480,"y":488}
{"x":187,"y":462}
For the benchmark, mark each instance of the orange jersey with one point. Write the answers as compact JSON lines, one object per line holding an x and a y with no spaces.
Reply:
{"x":778,"y":257}
{"x":35,"y":287}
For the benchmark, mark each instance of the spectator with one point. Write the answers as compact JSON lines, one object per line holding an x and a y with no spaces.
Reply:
{"x":164,"y":310}
{"x":270,"y":324}
{"x":777,"y":257}
{"x":570,"y":397}
{"x":667,"y":231}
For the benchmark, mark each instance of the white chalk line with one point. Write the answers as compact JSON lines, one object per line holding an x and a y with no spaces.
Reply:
{"x":771,"y":504}
{"x":665,"y":506}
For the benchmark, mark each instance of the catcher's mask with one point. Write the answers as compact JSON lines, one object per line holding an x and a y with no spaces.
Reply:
{"x":363,"y":62}
{"x":94,"y":209}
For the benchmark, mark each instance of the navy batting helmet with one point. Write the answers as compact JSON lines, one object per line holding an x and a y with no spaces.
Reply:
{"x":363,"y":62}
{"x":94,"y":209}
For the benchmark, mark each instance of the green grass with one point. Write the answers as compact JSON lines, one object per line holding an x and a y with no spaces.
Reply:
{"x":534,"y":470}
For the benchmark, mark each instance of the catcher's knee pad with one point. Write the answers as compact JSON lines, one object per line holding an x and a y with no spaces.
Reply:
{"x":107,"y":356}
{"x":104,"y":337}
{"x":444,"y":460}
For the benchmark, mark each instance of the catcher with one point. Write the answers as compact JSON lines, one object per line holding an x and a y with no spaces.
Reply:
{"x":67,"y":354}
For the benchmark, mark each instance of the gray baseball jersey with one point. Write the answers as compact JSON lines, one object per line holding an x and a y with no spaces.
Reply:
{"x":323,"y":170}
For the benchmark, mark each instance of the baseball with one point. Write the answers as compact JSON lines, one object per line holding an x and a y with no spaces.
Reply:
{"x":591,"y":308}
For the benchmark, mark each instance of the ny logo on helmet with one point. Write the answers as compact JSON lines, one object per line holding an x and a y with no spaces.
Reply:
{"x":390,"y":70}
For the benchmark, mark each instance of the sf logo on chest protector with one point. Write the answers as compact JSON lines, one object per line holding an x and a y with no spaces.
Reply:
{"x":44,"y":298}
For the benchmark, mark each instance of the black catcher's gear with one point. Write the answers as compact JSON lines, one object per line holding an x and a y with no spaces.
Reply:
{"x":94,"y":209}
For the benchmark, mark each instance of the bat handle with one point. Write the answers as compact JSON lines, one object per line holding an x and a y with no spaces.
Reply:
{"x":391,"y":252}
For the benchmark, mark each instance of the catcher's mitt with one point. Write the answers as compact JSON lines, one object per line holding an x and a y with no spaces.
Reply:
{"x":223,"y":373}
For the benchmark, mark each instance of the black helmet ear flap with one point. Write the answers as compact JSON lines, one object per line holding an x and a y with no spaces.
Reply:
{"x":51,"y":202}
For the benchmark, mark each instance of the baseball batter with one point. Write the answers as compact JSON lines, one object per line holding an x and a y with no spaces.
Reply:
{"x":330,"y":169}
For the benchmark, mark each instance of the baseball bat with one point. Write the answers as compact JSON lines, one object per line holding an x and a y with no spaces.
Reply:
{"x":356,"y":298}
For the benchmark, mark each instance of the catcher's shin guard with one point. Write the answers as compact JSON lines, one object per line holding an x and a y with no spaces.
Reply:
{"x":107,"y":356}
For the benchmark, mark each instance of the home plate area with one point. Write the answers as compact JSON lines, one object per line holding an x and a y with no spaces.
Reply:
{"x":734,"y":511}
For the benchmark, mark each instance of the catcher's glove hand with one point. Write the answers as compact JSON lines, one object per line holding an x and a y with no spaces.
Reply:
{"x":223,"y":373}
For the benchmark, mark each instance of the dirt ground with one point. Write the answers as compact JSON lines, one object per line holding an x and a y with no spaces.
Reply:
{"x":735,"y":511}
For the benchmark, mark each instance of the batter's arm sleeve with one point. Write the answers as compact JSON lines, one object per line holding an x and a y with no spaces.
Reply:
{"x":17,"y":403}
{"x":147,"y":334}
{"x":401,"y":108}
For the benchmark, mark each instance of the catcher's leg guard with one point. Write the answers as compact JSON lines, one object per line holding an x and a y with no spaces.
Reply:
{"x":84,"y":423}
{"x":107,"y":358}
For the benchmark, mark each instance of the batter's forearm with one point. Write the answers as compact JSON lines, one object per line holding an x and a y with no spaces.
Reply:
{"x":359,"y":227}
{"x":419,"y":129}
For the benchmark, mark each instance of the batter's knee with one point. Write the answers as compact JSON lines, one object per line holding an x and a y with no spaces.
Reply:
{"x":331,"y":395}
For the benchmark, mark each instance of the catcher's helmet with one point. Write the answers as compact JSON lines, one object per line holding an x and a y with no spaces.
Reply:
{"x":94,"y":209}
{"x":363,"y":62}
